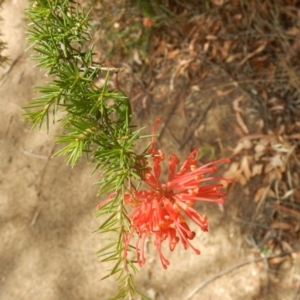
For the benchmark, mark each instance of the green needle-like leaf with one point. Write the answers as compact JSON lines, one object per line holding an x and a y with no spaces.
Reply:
{"x":91,"y":125}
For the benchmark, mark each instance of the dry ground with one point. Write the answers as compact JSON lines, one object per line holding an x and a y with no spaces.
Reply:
{"x":47,"y":249}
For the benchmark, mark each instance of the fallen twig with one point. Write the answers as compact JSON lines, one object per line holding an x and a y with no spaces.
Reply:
{"x":197,"y":121}
{"x":233,"y":268}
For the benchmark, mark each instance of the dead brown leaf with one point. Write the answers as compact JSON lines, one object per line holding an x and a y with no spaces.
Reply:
{"x":238,"y":111}
{"x":211,"y":37}
{"x":277,"y":260}
{"x":245,"y":167}
{"x":257,"y":169}
{"x":292,"y":51}
{"x":136,"y":57}
{"x":206,"y":47}
{"x":221,"y":93}
{"x":295,"y":136}
{"x":260,"y":148}
{"x":258,"y":50}
{"x":287,"y":248}
{"x":276,"y":161}
{"x":264,"y":94}
{"x":242,"y":144}
{"x":233,"y":57}
{"x":172,"y":54}
{"x":236,"y":103}
{"x":293,"y":31}
{"x":225,"y":49}
{"x":281,"y":226}
{"x":242,"y":180}
{"x":287,"y":210}
{"x":237,"y":173}
{"x":261,"y":193}
{"x":238,"y":17}
{"x":204,"y":75}
{"x":271,"y":74}
{"x":276,"y":174}
{"x":237,"y":130}
{"x":241,"y":122}
{"x":297,"y":195}
{"x":218,"y":2}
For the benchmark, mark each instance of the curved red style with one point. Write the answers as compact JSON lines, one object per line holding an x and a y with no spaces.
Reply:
{"x":158,"y":210}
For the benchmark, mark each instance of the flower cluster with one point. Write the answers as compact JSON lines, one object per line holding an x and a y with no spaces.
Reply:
{"x":158,"y":211}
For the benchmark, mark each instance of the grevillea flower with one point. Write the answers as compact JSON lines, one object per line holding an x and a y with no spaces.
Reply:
{"x":160,"y":210}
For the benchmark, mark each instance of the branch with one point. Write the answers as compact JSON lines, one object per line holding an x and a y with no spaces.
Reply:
{"x":233,"y":268}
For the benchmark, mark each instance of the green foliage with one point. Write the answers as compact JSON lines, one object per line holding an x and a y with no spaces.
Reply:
{"x":207,"y":150}
{"x":146,"y":7}
{"x":123,"y":108}
{"x":92,"y":125}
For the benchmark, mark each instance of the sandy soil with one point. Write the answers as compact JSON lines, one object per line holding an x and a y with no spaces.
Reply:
{"x":47,"y":249}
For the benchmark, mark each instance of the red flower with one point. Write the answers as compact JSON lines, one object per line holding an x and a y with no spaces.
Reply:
{"x":159,"y":210}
